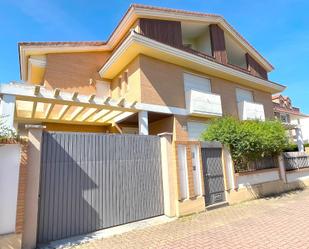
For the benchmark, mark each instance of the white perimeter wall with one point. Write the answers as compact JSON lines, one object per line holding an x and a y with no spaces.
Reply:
{"x":256,"y":178}
{"x":9,"y":174}
{"x":304,"y":124}
{"x":293,"y":176}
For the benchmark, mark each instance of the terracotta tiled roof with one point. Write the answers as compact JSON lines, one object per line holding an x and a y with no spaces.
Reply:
{"x":99,"y":43}
{"x":279,"y":95}
{"x":293,"y":110}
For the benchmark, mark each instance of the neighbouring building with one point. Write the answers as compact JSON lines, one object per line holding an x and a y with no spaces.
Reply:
{"x":296,"y":122}
{"x":162,"y":71}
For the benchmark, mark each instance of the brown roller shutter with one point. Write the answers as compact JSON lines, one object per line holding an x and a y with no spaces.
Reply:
{"x":255,"y":68}
{"x":168,"y":32}
{"x":218,"y":43}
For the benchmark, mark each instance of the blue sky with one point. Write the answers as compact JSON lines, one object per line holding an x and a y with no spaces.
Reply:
{"x":278,"y":29}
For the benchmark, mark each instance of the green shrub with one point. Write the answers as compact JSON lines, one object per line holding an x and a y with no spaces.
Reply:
{"x":306,"y":145}
{"x":248,"y":140}
{"x":291,"y":147}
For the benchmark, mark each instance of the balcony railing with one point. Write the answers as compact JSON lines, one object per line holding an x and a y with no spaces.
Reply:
{"x":249,"y":110}
{"x":203,"y":104}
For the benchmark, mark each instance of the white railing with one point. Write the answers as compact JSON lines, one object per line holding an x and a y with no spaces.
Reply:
{"x":203,"y":104}
{"x":249,"y":110}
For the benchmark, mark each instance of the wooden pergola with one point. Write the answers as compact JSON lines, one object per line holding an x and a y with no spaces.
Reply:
{"x":34,"y":104}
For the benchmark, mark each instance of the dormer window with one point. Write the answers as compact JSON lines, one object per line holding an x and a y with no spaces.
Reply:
{"x":235,"y":54}
{"x":196,"y":36}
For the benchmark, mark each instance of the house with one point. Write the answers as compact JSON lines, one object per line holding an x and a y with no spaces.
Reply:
{"x":162,"y":71}
{"x":181,"y":67}
{"x":295,"y":121}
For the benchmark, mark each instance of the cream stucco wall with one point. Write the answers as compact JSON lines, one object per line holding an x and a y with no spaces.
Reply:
{"x":249,"y":179}
{"x":298,"y":176}
{"x":132,"y":90}
{"x":161,"y":83}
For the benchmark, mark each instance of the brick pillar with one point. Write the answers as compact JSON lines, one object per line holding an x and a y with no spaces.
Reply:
{"x":169,"y":175}
{"x":32,"y":188}
{"x":21,"y":197}
{"x":229,"y":169}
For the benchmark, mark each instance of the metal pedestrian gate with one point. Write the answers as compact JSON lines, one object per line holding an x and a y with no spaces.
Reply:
{"x":95,"y":181}
{"x":213,"y":172}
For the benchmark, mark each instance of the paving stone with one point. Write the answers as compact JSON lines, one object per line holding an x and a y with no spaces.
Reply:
{"x":277,"y":222}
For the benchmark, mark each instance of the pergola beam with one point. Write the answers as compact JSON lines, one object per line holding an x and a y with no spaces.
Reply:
{"x":87,"y":115}
{"x":101,"y":110}
{"x":109,"y":117}
{"x":77,"y":112}
{"x":102,"y":115}
{"x":37,"y":90}
{"x":34,"y":109}
{"x":63,"y":121}
{"x":88,"y":119}
{"x":26,"y":93}
{"x":49,"y":110}
{"x":63,"y":111}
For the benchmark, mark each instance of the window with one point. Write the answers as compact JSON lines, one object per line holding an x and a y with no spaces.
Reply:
{"x":196,"y":83}
{"x":195,"y":130}
{"x":183,"y":172}
{"x":243,"y":95}
{"x":284,"y":118}
{"x":193,"y":82}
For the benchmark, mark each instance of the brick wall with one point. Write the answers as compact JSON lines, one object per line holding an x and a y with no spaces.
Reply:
{"x":20,"y":212}
{"x":72,"y":71}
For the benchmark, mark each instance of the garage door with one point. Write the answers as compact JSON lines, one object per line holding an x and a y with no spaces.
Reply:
{"x":95,"y":181}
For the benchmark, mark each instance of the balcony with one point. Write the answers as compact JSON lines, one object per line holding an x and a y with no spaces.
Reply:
{"x":203,"y":104}
{"x":249,"y":110}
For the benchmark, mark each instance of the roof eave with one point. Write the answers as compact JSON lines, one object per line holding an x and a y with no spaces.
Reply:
{"x":161,"y":48}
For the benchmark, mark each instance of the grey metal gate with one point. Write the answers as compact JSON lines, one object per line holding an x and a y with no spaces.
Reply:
{"x":95,"y":181}
{"x":213,"y":173}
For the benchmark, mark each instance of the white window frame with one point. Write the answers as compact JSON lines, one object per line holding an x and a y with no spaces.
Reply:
{"x":240,"y":91}
{"x":188,"y":86}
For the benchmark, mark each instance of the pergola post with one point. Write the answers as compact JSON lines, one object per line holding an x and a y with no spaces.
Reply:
{"x":143,"y":123}
{"x":7,"y":109}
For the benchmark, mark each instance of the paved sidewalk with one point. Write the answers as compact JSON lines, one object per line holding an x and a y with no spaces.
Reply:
{"x":279,"y":222}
